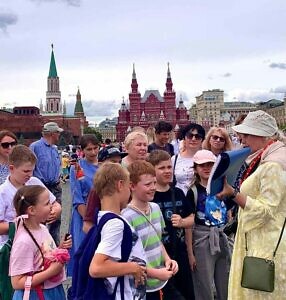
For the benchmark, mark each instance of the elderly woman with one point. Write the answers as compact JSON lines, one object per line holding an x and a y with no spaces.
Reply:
{"x":217,"y":141}
{"x":136,"y":144}
{"x":262,"y":204}
{"x":193,"y":136}
{"x":81,"y":182}
{"x":7,"y":141}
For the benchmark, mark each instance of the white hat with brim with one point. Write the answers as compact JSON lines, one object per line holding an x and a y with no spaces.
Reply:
{"x":257,"y":123}
{"x":52,"y":127}
{"x":204,"y":156}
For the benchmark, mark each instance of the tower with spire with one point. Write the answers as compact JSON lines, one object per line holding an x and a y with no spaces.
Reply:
{"x":78,"y":109}
{"x":170,"y":98}
{"x":134,"y":98}
{"x":53,"y":94}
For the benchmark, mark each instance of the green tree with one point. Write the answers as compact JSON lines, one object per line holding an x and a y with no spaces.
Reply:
{"x":93,"y":131}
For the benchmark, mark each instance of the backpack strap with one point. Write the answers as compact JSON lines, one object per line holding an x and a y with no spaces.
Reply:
{"x":195,"y":192}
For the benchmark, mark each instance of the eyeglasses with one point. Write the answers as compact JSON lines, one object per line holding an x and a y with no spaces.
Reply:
{"x":218,"y":138}
{"x":196,"y":136}
{"x":6,"y":145}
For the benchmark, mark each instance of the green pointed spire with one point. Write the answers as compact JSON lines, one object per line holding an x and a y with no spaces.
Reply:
{"x":78,"y":105}
{"x":53,"y":68}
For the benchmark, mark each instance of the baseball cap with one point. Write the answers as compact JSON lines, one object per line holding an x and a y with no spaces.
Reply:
{"x":257,"y":123}
{"x":52,"y":127}
{"x":204,"y":156}
{"x":108,"y":152}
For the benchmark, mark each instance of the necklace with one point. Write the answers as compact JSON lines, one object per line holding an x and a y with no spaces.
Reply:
{"x":254,"y":163}
{"x":145,"y":212}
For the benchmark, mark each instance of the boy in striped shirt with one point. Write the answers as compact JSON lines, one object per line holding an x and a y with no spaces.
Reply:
{"x":148,"y":222}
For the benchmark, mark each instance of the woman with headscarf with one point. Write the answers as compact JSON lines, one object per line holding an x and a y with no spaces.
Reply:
{"x":262,"y":204}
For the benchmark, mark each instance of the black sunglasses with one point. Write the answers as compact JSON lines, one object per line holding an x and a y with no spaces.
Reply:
{"x":6,"y":145}
{"x":218,"y":138}
{"x":197,"y":136}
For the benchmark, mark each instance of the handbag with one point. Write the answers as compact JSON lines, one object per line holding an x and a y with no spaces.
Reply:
{"x":259,"y":273}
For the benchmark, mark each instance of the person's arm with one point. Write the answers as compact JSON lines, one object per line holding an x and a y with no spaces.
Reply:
{"x":4,"y":227}
{"x":161,"y":274}
{"x":189,"y":243}
{"x":81,"y":208}
{"x":102,"y":266}
{"x":170,"y":264}
{"x":229,"y":191}
{"x":178,"y":221}
{"x":18,"y":282}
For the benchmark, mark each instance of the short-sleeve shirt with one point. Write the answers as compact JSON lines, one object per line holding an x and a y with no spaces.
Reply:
{"x":4,"y":172}
{"x":26,"y":257}
{"x":150,"y":238}
{"x":110,"y":245}
{"x":184,"y":171}
{"x":7,"y":210}
{"x":172,"y":235}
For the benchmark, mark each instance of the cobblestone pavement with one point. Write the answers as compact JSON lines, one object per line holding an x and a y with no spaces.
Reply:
{"x":66,"y":215}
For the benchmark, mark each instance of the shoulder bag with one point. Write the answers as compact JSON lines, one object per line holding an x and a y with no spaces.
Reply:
{"x":259,"y":273}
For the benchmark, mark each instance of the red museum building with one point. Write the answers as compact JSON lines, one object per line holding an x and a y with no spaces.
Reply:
{"x":146,"y":111}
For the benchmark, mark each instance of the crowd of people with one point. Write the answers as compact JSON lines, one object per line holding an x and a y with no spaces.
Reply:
{"x":149,"y":197}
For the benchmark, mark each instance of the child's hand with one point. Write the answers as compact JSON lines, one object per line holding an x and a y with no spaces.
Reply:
{"x":192,"y":261}
{"x":163,"y":274}
{"x":66,"y":243}
{"x":177,"y":220}
{"x":140,"y":274}
{"x":172,"y":265}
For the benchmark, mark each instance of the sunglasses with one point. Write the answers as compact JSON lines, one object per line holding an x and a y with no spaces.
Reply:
{"x":6,"y":145}
{"x":218,"y":138}
{"x":196,"y":136}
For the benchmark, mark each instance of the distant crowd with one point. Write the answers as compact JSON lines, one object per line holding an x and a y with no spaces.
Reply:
{"x":143,"y":225}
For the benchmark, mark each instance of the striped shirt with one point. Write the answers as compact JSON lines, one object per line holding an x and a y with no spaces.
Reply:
{"x":151,"y":238}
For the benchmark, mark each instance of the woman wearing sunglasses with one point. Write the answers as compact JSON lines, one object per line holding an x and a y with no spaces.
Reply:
{"x":7,"y":141}
{"x":192,"y":137}
{"x":217,"y":141}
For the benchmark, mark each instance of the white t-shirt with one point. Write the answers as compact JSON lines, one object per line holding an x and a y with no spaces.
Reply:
{"x":110,"y":245}
{"x":184,"y":172}
{"x":7,"y":210}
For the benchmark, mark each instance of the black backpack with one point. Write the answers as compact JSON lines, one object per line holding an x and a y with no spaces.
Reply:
{"x":84,"y":287}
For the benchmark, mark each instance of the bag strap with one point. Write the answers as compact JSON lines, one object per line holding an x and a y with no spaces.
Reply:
{"x":174,"y":168}
{"x":278,"y":243}
{"x":12,"y":229}
{"x":35,"y":242}
{"x":280,"y":237}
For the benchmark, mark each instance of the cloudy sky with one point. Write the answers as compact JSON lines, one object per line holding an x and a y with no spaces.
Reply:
{"x":237,"y":46}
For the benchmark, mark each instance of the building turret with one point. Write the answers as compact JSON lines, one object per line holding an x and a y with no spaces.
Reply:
{"x":170,"y":99}
{"x":78,"y":109}
{"x":134,"y":100}
{"x":53,"y":94}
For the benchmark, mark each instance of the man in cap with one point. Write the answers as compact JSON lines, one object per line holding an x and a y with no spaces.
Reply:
{"x":48,"y":169}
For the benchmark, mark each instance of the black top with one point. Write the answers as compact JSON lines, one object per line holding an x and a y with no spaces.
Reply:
{"x":168,"y":148}
{"x":172,"y":235}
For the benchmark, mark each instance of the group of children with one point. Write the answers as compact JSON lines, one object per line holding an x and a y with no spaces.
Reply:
{"x":170,"y":240}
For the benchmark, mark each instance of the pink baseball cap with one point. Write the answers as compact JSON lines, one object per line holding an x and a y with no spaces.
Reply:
{"x":204,"y":156}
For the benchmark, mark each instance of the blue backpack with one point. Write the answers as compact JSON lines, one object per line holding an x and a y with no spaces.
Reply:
{"x":84,"y":287}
